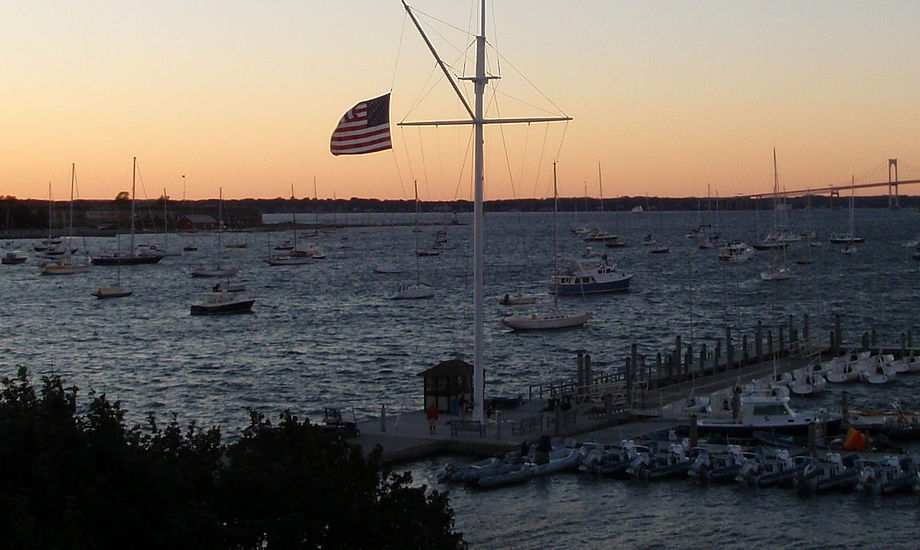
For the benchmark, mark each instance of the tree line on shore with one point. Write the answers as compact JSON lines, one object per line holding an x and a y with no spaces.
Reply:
{"x":21,"y":214}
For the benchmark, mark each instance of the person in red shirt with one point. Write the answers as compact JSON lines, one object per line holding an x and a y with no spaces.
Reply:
{"x":432,"y":413}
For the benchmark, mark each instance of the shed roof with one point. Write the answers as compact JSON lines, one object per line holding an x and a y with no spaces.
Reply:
{"x":452,"y":367}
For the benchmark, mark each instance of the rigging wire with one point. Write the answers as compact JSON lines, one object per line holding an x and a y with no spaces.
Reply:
{"x":421,"y":146}
{"x":402,"y":34}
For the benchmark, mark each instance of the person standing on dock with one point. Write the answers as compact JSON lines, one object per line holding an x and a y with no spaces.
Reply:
{"x":432,"y":413}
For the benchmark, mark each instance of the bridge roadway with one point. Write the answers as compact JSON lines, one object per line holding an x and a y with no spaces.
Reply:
{"x":832,"y":189}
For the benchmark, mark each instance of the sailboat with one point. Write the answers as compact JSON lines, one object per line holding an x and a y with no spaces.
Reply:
{"x":848,"y":239}
{"x":776,"y":270}
{"x":114,"y":291}
{"x":551,"y":320}
{"x":193,"y":246}
{"x":166,"y":251}
{"x":49,"y":247}
{"x":147,"y":256}
{"x":295,"y":256}
{"x":65,"y":264}
{"x":418,"y":289}
{"x":659,"y":247}
{"x":313,"y":250}
{"x":216,"y":270}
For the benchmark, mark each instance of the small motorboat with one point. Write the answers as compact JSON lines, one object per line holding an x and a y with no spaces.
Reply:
{"x":14,"y":257}
{"x":720,"y":467}
{"x":831,"y":473}
{"x":780,"y":468}
{"x":613,"y":461}
{"x":889,"y":475}
{"x":519,"y":299}
{"x":413,"y":291}
{"x":670,"y":463}
{"x":223,"y":302}
{"x":112,"y":292}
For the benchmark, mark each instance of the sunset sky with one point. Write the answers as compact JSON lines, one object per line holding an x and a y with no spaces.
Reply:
{"x":669,"y":98}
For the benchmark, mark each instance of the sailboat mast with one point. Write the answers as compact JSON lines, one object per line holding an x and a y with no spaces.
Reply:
{"x":165,"y":225}
{"x":294,"y":214}
{"x":50,"y":214}
{"x":478,"y":121}
{"x":316,"y":207}
{"x":775,"y":193}
{"x":479,"y":87}
{"x":418,"y":269}
{"x":220,"y":217}
{"x":600,"y":183}
{"x":73,"y":177}
{"x":852,"y":195}
{"x":133,"y":198}
{"x":555,"y":226}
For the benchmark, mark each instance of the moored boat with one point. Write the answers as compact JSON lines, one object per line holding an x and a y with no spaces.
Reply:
{"x":222,"y":302}
{"x":14,"y":257}
{"x":545,"y":321}
{"x":757,"y":412}
{"x":592,"y":276}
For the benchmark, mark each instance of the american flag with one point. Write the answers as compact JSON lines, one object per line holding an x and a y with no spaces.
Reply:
{"x":365,"y":128}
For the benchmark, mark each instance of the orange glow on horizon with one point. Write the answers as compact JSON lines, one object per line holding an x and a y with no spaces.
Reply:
{"x":669,"y":102}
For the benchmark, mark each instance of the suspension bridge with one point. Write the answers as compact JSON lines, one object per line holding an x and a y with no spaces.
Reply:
{"x":863,"y":182}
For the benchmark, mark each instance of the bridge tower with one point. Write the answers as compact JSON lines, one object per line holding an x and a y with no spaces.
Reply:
{"x":893,"y":199}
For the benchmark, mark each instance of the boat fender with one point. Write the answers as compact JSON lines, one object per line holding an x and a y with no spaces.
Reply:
{"x":855,"y":441}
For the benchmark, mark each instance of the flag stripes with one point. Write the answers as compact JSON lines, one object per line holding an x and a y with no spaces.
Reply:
{"x":365,"y":128}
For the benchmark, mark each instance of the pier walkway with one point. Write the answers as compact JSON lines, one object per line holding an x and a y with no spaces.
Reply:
{"x":406,"y":436}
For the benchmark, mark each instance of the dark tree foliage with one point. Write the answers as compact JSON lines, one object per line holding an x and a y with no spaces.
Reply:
{"x":85,"y":481}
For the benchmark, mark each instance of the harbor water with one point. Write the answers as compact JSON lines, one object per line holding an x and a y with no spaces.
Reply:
{"x":327,"y":334}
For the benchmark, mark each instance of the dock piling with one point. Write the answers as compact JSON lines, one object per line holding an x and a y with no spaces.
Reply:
{"x":693,"y":433}
{"x":837,"y":334}
{"x":812,"y":438}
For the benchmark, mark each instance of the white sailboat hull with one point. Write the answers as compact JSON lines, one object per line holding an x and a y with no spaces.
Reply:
{"x":536,"y":321}
{"x":414,"y":291}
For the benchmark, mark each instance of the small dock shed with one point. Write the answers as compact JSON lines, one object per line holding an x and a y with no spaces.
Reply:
{"x":447,"y":384}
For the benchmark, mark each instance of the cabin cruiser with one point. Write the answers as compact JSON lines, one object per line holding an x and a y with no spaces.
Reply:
{"x":592,"y":276}
{"x":763,"y":411}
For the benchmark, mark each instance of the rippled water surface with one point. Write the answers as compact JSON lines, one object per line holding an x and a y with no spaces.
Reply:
{"x":326,"y":334}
